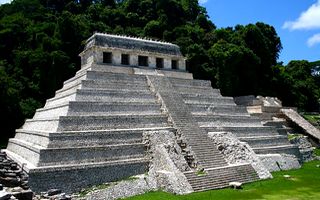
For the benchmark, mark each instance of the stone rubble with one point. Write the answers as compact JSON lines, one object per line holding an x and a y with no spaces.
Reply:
{"x":120,"y":190}
{"x":237,"y":152}
{"x":13,"y":180}
{"x":52,"y":194}
{"x":305,"y":147}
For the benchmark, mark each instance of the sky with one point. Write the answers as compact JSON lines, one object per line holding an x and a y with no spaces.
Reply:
{"x":297,"y":22}
{"x":5,"y":1}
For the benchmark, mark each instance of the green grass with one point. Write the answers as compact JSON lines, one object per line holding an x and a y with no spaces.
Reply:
{"x":293,"y":136}
{"x":303,"y":184}
{"x":316,"y":152}
{"x":314,"y":119}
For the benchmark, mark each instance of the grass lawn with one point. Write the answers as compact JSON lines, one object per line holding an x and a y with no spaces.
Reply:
{"x":317,"y":152}
{"x":304,"y":184}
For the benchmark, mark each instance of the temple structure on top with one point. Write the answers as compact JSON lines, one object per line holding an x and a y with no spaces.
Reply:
{"x":128,"y":51}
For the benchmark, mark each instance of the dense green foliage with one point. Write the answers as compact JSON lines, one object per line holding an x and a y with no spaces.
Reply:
{"x":41,"y":40}
{"x":298,"y":84}
{"x":302,"y":184}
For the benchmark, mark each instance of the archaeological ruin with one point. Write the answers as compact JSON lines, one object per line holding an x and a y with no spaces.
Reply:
{"x":133,"y":109}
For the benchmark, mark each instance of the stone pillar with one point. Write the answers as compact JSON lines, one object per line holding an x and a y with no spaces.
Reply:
{"x":182,"y":64}
{"x":116,"y":57}
{"x":97,"y":56}
{"x":167,"y":63}
{"x":152,"y":62}
{"x":133,"y":60}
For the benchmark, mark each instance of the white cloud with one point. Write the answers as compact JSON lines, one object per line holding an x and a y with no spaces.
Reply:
{"x":315,"y":39}
{"x":309,"y":19}
{"x":5,"y":1}
{"x":203,"y":1}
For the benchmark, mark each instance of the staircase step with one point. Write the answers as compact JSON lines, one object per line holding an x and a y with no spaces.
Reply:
{"x":101,"y":75}
{"x":77,"y":155}
{"x":115,"y":85}
{"x":226,"y":118}
{"x":52,"y":111}
{"x":108,"y":95}
{"x":75,"y":80}
{"x":277,"y":124}
{"x":190,"y":82}
{"x":220,"y":110}
{"x":209,"y":100}
{"x":265,"y":141}
{"x":215,"y":103}
{"x":202,"y":90}
{"x":63,"y":99}
{"x":84,"y":138}
{"x":247,"y":131}
{"x":68,"y":89}
{"x":221,"y":177}
{"x":113,"y":108}
{"x":41,"y":124}
{"x":74,"y":123}
{"x":120,"y":106}
{"x":283,"y":149}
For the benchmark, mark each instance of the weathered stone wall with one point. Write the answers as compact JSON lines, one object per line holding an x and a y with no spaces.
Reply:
{"x":305,"y":147}
{"x":237,"y":152}
{"x":278,"y":162}
{"x":167,"y":163}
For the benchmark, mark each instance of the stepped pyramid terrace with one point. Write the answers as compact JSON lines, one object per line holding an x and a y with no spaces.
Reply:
{"x":133,"y":109}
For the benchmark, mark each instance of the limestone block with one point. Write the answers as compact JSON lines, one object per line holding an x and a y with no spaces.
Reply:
{"x":167,"y":63}
{"x":98,"y":56}
{"x":133,"y":60}
{"x":278,"y":162}
{"x":152,"y":62}
{"x":116,"y":57}
{"x":182,"y":64}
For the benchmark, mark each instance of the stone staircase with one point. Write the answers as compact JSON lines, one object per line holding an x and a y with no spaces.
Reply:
{"x":93,"y":126}
{"x":215,"y":113}
{"x":204,"y":154}
{"x":221,"y":177}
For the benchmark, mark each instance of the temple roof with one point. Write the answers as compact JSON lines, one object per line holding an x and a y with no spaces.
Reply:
{"x":132,"y":43}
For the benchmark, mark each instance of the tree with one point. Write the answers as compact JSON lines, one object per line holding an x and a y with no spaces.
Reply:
{"x":236,"y":72}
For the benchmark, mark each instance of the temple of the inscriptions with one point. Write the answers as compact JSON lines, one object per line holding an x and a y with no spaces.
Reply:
{"x":131,"y":95}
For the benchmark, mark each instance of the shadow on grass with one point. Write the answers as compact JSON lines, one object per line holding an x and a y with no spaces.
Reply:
{"x":303,"y":184}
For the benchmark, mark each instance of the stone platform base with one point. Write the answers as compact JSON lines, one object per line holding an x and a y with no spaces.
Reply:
{"x":72,"y":178}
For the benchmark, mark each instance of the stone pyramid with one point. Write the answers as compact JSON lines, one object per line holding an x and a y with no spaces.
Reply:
{"x":92,"y":130}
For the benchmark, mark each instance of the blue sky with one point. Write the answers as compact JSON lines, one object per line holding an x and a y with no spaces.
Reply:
{"x":297,"y":22}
